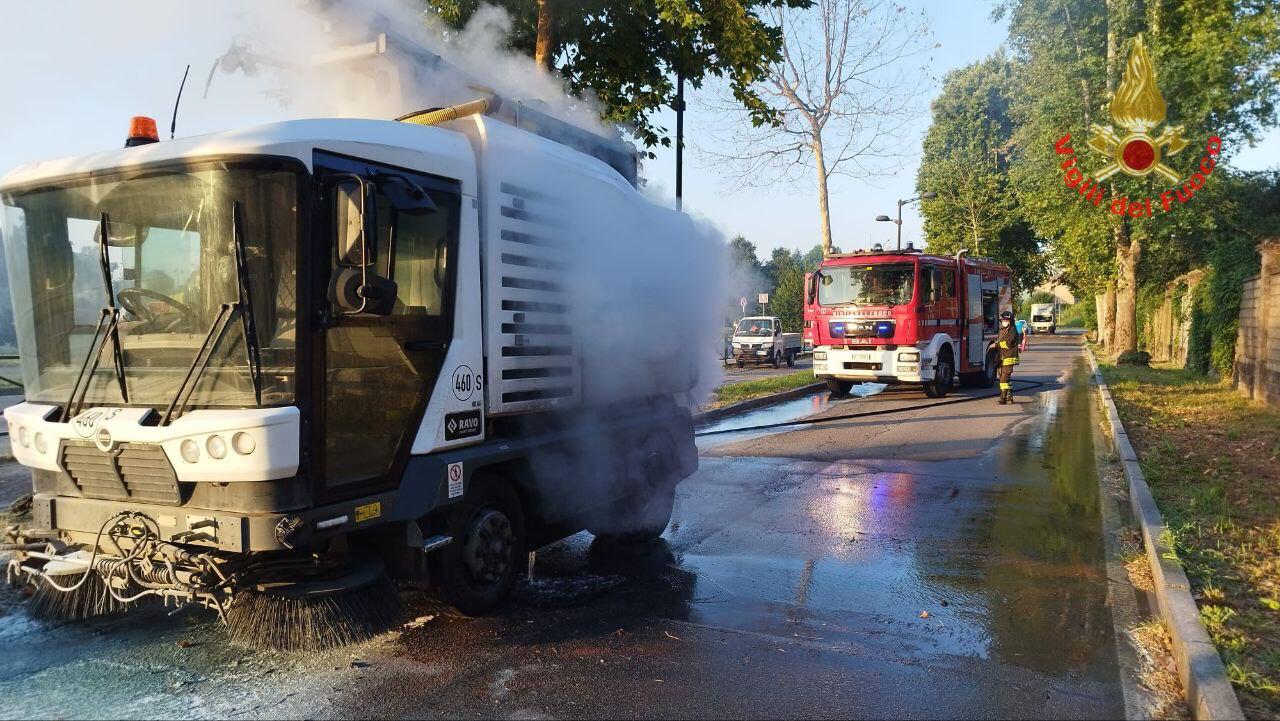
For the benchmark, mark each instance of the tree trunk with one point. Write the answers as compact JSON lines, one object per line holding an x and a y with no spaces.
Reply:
{"x":1106,"y":307}
{"x":1127,"y":257}
{"x":824,"y":210}
{"x":542,"y":49}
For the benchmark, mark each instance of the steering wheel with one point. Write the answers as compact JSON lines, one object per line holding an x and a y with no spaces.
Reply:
{"x":133,"y":300}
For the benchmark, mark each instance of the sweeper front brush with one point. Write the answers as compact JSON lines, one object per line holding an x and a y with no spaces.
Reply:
{"x":343,"y":606}
{"x":88,"y":598}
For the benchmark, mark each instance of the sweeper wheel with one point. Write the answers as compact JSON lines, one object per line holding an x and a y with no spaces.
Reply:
{"x":336,"y":604}
{"x":478,"y":569}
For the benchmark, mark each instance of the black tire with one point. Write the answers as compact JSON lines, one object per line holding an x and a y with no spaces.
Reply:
{"x":644,"y":512}
{"x":944,"y":377}
{"x":791,"y":359}
{"x":839,"y":387}
{"x":776,"y":359}
{"x":1053,"y":330}
{"x":990,"y":369}
{"x":741,"y":364}
{"x":475,"y":575}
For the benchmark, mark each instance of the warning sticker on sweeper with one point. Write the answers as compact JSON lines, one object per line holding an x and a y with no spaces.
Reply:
{"x":455,"y":480}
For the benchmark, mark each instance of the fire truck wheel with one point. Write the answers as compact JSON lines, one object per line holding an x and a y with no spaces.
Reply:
{"x":791,"y":360}
{"x":984,"y":378}
{"x":944,"y":378}
{"x":479,"y":567}
{"x":839,"y":387}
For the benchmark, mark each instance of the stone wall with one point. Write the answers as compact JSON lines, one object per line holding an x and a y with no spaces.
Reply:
{"x":1169,"y":327}
{"x":1258,"y":340}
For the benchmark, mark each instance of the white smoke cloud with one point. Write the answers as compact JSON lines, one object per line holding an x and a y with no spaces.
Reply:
{"x":657,"y":287}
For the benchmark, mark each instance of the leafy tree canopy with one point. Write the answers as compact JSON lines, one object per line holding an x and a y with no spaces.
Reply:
{"x":627,"y":52}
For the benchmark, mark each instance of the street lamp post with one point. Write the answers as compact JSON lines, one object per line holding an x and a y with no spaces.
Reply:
{"x":886,"y":219}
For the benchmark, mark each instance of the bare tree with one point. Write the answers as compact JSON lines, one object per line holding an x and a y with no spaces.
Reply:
{"x":843,"y":91}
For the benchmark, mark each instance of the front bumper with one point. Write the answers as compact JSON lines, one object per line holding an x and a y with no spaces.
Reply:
{"x":78,"y":520}
{"x":872,"y":365}
{"x":761,"y":355}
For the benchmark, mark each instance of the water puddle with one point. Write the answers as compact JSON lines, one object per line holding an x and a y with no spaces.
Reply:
{"x":1045,"y":577}
{"x":809,"y":405}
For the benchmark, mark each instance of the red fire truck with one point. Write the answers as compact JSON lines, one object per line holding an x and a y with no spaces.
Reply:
{"x":905,"y":317}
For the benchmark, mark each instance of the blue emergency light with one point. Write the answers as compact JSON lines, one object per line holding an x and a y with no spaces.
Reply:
{"x":837,"y":330}
{"x":884,"y":329}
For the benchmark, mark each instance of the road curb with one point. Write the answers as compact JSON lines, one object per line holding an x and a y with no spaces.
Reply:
{"x":754,"y":403}
{"x":1204,"y":678}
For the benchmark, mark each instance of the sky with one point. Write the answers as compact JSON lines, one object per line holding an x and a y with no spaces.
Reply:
{"x":781,"y":216}
{"x":80,"y":84}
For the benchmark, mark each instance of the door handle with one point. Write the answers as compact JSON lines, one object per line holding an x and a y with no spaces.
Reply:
{"x":425,"y":345}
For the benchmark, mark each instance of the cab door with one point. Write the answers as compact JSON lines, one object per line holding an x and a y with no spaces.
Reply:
{"x":383,"y":346}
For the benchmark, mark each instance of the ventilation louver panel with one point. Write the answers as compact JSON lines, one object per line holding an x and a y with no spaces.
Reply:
{"x":533,"y":353}
{"x":133,"y":472}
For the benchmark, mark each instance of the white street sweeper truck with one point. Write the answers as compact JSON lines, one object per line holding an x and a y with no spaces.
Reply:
{"x":277,"y":371}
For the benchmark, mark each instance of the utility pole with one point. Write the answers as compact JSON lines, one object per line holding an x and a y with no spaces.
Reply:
{"x":678,"y":105}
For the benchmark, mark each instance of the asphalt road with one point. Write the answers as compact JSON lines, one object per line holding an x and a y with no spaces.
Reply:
{"x":941,"y":562}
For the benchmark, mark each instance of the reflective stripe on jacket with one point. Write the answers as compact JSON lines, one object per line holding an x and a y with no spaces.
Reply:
{"x":1007,"y":345}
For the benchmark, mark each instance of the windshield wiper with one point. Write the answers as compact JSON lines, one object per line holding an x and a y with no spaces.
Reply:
{"x":110,"y":316}
{"x":104,"y":262}
{"x":106,"y":320}
{"x":245,"y":304}
{"x":218,"y":328}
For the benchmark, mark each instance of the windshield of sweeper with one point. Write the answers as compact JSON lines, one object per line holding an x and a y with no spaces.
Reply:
{"x":171,"y":263}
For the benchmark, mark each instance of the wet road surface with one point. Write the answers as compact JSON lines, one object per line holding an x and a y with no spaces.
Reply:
{"x":942,"y":562}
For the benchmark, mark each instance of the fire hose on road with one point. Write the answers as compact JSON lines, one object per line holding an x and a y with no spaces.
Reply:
{"x":1027,"y":385}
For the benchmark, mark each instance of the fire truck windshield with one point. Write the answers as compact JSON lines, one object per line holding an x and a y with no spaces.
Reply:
{"x":171,"y":264}
{"x":887,"y":284}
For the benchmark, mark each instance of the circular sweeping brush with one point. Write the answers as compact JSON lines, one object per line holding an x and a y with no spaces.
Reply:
{"x":352,"y":605}
{"x":88,"y":598}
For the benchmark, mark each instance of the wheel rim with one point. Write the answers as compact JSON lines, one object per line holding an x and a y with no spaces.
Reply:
{"x":486,"y":551}
{"x":943,"y":375}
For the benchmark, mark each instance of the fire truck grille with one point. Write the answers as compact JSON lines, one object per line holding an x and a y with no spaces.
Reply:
{"x":854,"y":366}
{"x":134,"y":472}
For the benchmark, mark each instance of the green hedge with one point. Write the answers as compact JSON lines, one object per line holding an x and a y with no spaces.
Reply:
{"x":1215,"y":310}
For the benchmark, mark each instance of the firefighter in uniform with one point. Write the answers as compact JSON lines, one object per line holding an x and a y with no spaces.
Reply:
{"x":1008,"y":344}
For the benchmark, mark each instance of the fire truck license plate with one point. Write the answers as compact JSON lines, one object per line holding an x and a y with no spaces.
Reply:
{"x":862,"y":356}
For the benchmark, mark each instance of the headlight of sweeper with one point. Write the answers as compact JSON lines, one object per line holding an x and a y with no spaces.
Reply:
{"x":243,"y":443}
{"x":908,"y":357}
{"x":217,"y":447}
{"x":190,"y":451}
{"x":819,"y":355}
{"x":24,"y":436}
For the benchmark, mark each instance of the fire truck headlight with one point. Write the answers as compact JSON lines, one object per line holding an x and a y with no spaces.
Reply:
{"x":42,"y":445}
{"x":908,"y":357}
{"x":24,"y":437}
{"x":243,"y":443}
{"x":819,"y":355}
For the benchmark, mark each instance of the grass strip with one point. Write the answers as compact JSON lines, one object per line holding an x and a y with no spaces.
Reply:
{"x":746,"y":390}
{"x":1212,"y":459}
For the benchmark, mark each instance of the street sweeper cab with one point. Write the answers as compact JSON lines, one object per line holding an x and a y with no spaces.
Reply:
{"x":280,"y":368}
